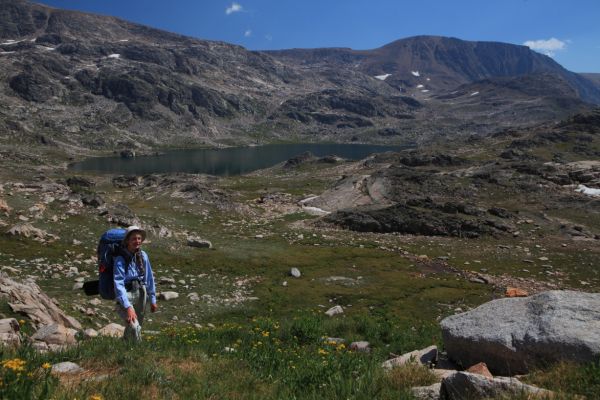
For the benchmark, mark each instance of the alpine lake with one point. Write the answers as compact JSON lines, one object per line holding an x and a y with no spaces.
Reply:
{"x":226,"y":161}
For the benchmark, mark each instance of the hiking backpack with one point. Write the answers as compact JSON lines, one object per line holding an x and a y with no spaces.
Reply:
{"x":109,"y":247}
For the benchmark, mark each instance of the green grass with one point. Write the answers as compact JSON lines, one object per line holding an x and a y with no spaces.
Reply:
{"x":394,"y":302}
{"x":261,"y":358}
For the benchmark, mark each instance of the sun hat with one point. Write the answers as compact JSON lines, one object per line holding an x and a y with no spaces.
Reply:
{"x":132,"y":229}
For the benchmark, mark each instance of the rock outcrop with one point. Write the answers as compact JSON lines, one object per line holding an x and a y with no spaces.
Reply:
{"x":513,"y":334}
{"x":27,"y":298}
{"x":465,"y":385}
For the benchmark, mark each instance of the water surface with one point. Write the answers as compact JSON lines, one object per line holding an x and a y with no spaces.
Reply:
{"x":225,"y":162}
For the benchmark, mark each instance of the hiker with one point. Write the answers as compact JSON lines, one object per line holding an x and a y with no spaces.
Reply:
{"x":134,"y":283}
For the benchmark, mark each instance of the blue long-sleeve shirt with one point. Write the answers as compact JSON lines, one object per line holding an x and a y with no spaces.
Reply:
{"x":121,"y":278}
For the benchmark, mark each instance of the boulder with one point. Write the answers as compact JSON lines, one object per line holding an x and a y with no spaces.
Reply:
{"x":92,"y":200}
{"x":168,"y":296}
{"x":66,"y":367}
{"x":512,"y":334}
{"x":112,"y":330}
{"x":334,"y":311}
{"x":55,"y":336}
{"x":426,"y":356}
{"x":464,"y":385}
{"x":295,"y":272}
{"x":193,"y":241}
{"x":361,"y":346}
{"x":27,"y":298}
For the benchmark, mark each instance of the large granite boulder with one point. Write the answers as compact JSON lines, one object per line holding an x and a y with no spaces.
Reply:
{"x":510,"y":335}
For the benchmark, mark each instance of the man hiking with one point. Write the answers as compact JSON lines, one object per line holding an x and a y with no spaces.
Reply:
{"x":134,"y":283}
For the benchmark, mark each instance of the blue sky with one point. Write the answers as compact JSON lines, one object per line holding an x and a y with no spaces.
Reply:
{"x":569,"y":31}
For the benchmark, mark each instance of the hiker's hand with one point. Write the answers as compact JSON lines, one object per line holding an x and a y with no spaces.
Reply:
{"x":131,"y":315}
{"x":153,"y":307}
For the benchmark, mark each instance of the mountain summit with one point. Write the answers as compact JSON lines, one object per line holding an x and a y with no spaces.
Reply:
{"x":444,"y":62}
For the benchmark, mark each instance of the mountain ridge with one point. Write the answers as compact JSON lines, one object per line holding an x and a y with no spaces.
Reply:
{"x":99,"y":82}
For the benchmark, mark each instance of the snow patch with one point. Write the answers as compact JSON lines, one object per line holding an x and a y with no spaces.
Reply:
{"x":420,"y":86}
{"x":588,"y":190}
{"x":12,"y":41}
{"x":415,"y":73}
{"x":474,"y":94}
{"x":424,"y":90}
{"x":114,"y":56}
{"x":382,"y":77}
{"x":314,"y":211}
{"x":306,"y":200}
{"x":124,"y":40}
{"x":428,"y":79}
{"x":6,"y":52}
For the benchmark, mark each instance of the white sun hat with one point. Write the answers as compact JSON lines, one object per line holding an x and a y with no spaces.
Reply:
{"x":132,"y":229}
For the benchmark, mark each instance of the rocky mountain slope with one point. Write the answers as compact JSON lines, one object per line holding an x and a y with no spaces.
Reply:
{"x":440,"y":63}
{"x":79,"y":81}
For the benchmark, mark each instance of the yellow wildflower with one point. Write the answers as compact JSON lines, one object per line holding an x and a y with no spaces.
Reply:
{"x":16,"y":364}
{"x":95,"y":397}
{"x":323,"y":352}
{"x":46,"y":365}
{"x":265,"y":333}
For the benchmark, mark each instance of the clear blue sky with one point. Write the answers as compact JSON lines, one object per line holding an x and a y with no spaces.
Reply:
{"x":567,"y":30}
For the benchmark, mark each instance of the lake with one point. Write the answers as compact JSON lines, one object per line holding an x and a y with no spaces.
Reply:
{"x":225,"y":162}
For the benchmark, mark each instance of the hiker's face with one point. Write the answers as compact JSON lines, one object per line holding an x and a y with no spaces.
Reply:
{"x":134,"y":242}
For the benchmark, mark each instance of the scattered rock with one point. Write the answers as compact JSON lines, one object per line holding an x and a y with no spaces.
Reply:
{"x":95,"y":302}
{"x":334,"y":311}
{"x":90,"y":333}
{"x":78,"y":286}
{"x":55,"y":336}
{"x":515,"y":292}
{"x":464,"y":385}
{"x":80,"y":181}
{"x":66,"y":367}
{"x":199,"y":243}
{"x":28,"y":231}
{"x":480,"y":369}
{"x":92,"y":200}
{"x":361,"y":346}
{"x":512,"y":334}
{"x":112,"y":330}
{"x":427,"y":356}
{"x":295,"y":272}
{"x":168,"y":296}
